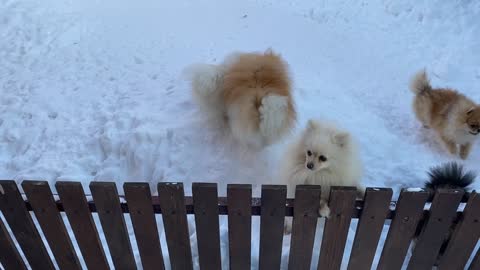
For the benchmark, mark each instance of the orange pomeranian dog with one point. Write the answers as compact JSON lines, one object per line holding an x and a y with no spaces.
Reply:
{"x":454,"y":117}
{"x":249,"y":94}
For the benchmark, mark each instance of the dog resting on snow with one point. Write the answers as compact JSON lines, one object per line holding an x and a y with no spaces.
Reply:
{"x":248,"y":94}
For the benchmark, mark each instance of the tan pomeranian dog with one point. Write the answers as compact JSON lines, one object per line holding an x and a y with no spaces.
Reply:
{"x":452,"y":115}
{"x":322,"y":155}
{"x":249,"y":94}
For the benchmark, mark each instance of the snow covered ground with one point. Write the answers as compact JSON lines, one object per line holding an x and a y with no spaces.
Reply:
{"x":92,"y":90}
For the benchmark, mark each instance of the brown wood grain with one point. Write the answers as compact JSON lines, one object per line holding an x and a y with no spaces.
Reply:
{"x":9,"y":256}
{"x":408,"y":213}
{"x":239,"y":225}
{"x":442,"y":212}
{"x":43,"y":204}
{"x":369,"y":228}
{"x":464,"y":238}
{"x":205,"y":197}
{"x":272,"y":226}
{"x":22,"y":226}
{"x":139,"y":201}
{"x":78,"y":213}
{"x":105,"y":196}
{"x":305,"y":217}
{"x":342,"y":204}
{"x":172,"y":203}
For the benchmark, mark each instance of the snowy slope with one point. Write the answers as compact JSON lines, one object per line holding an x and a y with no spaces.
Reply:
{"x":92,"y":90}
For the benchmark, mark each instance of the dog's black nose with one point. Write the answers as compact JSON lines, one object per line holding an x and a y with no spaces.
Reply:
{"x":310,"y":165}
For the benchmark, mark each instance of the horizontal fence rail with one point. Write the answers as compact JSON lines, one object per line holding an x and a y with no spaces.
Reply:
{"x":441,"y":232}
{"x":222,"y":204}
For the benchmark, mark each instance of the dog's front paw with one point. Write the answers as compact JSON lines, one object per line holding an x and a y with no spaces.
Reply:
{"x":324,"y":211}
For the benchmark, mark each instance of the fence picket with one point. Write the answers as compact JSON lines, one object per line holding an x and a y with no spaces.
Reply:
{"x":21,"y":223}
{"x":239,"y":225}
{"x":272,"y":226}
{"x":408,"y":212}
{"x":41,"y":199}
{"x":375,"y":209}
{"x":111,"y":217}
{"x":78,"y":213}
{"x":342,"y":204}
{"x":205,"y":197}
{"x":172,"y":203}
{"x":139,"y":201}
{"x":464,"y":238}
{"x":305,"y":216}
{"x":9,"y":255}
{"x":443,"y":210}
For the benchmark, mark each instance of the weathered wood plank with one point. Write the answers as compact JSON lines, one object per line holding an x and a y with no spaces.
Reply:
{"x":442,"y":212}
{"x":408,"y":213}
{"x":40,"y":197}
{"x":78,"y":213}
{"x":464,"y":238}
{"x":272,"y":226}
{"x":172,"y":203}
{"x":239,"y":225}
{"x":9,"y":256}
{"x":22,"y":226}
{"x":305,"y":216}
{"x":205,"y":197}
{"x":139,"y":201}
{"x":105,"y":196}
{"x":369,"y":229}
{"x":342,"y":204}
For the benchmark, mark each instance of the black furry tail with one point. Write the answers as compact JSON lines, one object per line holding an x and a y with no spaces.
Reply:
{"x":450,"y":176}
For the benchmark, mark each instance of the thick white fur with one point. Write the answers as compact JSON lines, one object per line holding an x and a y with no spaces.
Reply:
{"x":242,"y":128}
{"x":272,"y":123}
{"x":206,"y":83}
{"x":273,"y":117}
{"x":342,"y":168}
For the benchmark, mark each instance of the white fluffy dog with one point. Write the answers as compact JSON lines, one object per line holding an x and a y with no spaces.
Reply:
{"x":322,"y":155}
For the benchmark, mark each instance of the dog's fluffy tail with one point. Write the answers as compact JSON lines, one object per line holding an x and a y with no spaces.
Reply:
{"x":276,"y":117}
{"x":420,"y":83}
{"x":206,"y":81}
{"x":449,"y":175}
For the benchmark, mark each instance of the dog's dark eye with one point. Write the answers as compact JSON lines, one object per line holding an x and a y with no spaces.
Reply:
{"x":322,"y":158}
{"x":309,"y":153}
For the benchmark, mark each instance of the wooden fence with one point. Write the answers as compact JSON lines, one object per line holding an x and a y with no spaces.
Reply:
{"x":442,"y":220}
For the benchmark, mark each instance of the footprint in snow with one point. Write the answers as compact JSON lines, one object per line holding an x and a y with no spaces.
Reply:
{"x":53,"y":115}
{"x":138,"y":61}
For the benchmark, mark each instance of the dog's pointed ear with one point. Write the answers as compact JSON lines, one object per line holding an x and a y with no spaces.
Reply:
{"x":470,"y":110}
{"x":341,"y":139}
